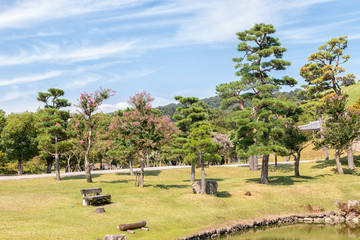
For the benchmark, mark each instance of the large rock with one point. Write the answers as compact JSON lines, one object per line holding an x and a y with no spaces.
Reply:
{"x":115,"y":237}
{"x":211,"y":187}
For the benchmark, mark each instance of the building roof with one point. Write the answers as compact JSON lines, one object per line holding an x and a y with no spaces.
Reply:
{"x":312,"y":126}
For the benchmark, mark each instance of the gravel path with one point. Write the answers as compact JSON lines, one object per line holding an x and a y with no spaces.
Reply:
{"x":63,"y":174}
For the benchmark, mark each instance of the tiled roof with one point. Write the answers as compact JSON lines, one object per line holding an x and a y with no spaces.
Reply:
{"x":312,"y":126}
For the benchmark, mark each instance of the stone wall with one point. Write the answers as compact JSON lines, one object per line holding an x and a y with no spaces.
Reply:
{"x":326,"y":217}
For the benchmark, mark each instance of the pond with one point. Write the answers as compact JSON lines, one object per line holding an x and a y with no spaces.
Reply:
{"x":298,"y":231}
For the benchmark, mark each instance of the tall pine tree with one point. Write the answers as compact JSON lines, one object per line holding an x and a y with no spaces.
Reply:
{"x":262,"y":54}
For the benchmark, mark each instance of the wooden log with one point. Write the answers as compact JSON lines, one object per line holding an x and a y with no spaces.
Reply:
{"x":132,"y":232}
{"x":124,"y":227}
{"x":144,"y":228}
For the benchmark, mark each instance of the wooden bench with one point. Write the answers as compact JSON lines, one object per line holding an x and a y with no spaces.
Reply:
{"x":96,"y":197}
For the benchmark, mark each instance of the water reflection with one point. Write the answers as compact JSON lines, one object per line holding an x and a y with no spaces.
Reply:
{"x":299,"y":232}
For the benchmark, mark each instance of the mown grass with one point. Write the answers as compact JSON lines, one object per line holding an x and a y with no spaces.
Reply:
{"x":50,"y":209}
{"x":354,"y":93}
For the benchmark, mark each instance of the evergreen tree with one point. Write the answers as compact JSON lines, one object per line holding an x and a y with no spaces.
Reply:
{"x":52,"y":125}
{"x":322,"y":74}
{"x":262,"y":54}
{"x":190,"y":112}
{"x":201,"y":148}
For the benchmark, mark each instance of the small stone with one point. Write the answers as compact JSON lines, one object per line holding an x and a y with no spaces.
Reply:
{"x":318,"y":220}
{"x":327,"y":220}
{"x":100,"y":210}
{"x":115,"y":237}
{"x":308,"y":219}
{"x":353,"y":203}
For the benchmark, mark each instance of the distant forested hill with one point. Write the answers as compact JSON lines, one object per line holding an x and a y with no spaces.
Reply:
{"x":214,"y":102}
{"x":170,"y":109}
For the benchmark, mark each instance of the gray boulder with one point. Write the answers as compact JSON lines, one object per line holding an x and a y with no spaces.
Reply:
{"x":211,"y":187}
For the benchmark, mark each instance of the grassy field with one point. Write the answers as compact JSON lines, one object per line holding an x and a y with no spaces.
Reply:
{"x":50,"y":209}
{"x":354,"y":93}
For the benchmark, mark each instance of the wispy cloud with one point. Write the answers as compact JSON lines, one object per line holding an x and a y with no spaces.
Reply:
{"x":56,"y":53}
{"x":82,"y":82}
{"x":106,"y":108}
{"x":29,"y":79}
{"x":24,"y":13}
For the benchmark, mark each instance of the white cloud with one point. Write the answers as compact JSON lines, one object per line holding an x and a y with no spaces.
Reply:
{"x":24,"y":13}
{"x":160,"y":101}
{"x":29,"y":79}
{"x":107,"y":108}
{"x":55,"y":53}
{"x":83,"y":82}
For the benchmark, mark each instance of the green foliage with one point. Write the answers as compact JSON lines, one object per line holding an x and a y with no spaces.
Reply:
{"x":322,"y":71}
{"x":200,"y":145}
{"x":343,"y":125}
{"x":262,"y":54}
{"x":19,"y":136}
{"x":53,"y":122}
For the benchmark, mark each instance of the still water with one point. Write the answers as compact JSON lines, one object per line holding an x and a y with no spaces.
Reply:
{"x":299,"y":231}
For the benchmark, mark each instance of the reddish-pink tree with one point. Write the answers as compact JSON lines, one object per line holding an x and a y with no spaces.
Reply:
{"x":87,"y":105}
{"x":140,"y":129}
{"x":226,"y":145}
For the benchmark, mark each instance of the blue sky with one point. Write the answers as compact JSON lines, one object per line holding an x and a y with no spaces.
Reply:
{"x":168,"y":48}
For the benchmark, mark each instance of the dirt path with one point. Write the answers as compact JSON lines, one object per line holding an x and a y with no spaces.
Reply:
{"x":63,"y":174}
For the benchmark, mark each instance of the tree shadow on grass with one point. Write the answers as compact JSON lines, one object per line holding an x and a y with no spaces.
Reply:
{"x":344,"y":163}
{"x":79,"y":177}
{"x":224,"y":194}
{"x":152,"y":173}
{"x":123,"y":174}
{"x":166,"y":187}
{"x":118,"y":181}
{"x":282,"y":180}
{"x":282,"y":168}
{"x":207,"y":179}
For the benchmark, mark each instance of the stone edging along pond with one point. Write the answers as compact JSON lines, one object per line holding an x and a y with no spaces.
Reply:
{"x":325,"y":217}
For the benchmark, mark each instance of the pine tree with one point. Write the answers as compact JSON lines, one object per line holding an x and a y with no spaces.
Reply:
{"x":262,"y":54}
{"x":52,"y":125}
{"x":191,"y":111}
{"x":201,"y":148}
{"x":323,"y":75}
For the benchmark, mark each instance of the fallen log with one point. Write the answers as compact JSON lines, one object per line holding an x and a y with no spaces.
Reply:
{"x":124,"y":227}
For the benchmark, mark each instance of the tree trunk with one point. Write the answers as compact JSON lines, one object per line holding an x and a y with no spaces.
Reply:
{"x":203,"y":182}
{"x":87,"y":161}
{"x":338,"y":163}
{"x":326,"y":153}
{"x":20,"y":166}
{"x":57,"y":166}
{"x":49,"y":162}
{"x":142,"y":163}
{"x":296,"y":164}
{"x":275,"y":160}
{"x":256,"y":163}
{"x":251,"y":163}
{"x":192,"y":172}
{"x":286,"y":159}
{"x":68,"y":167}
{"x":264,"y":170}
{"x":350,"y":158}
{"x":131,"y":165}
{"x":148,"y":158}
{"x":101,"y":164}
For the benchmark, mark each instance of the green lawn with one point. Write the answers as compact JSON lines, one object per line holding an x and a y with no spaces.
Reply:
{"x":354,"y":93}
{"x":48,"y":209}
